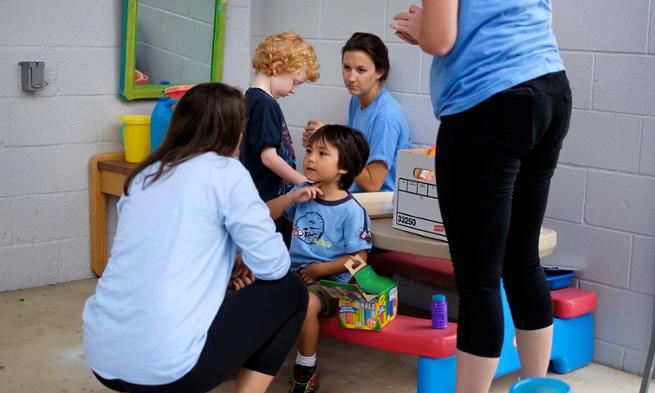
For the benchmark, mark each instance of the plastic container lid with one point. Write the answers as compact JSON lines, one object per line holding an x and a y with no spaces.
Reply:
{"x":134,"y":119}
{"x":439,"y":298}
{"x":177,"y":91}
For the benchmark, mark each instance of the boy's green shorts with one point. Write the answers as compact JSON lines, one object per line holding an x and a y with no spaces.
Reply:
{"x":328,"y":304}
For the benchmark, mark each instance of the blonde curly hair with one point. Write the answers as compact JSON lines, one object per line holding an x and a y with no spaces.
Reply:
{"x":291,"y":51}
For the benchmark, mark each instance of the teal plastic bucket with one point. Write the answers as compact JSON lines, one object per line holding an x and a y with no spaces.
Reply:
{"x":540,"y":385}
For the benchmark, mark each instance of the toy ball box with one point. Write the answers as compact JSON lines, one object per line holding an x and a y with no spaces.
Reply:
{"x":416,"y":204}
{"x":361,"y":310}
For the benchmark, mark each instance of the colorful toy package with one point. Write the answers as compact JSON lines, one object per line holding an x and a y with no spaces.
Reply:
{"x":361,"y":310}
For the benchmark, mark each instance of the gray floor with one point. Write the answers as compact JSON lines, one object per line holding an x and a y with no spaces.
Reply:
{"x":40,"y":351}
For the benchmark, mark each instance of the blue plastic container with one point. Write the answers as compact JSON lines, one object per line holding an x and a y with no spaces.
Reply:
{"x":159,"y":121}
{"x":559,"y":278}
{"x":540,"y":385}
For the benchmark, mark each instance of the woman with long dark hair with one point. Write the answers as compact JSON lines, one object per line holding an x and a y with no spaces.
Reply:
{"x":172,"y":312}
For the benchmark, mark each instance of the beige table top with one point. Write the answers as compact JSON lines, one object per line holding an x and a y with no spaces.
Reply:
{"x":388,"y":238}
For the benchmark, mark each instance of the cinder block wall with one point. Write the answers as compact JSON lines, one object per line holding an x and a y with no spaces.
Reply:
{"x":47,"y":138}
{"x":603,"y":195}
{"x":602,"y":201}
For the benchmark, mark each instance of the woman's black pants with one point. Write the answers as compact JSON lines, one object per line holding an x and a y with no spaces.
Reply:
{"x":494,"y":164}
{"x":255,"y":327}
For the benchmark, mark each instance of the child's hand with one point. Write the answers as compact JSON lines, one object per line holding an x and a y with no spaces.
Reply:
{"x":310,"y":274}
{"x":310,"y":129}
{"x":306,"y":193}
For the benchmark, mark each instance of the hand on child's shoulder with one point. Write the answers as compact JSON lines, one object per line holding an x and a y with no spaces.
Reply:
{"x":307,"y":192}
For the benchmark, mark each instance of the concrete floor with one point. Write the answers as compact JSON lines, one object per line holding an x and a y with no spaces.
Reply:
{"x":40,"y":351}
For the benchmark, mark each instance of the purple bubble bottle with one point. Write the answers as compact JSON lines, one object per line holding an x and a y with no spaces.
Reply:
{"x":439,"y":312}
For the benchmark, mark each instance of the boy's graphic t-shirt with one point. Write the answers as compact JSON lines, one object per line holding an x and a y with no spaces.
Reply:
{"x":324,"y":231}
{"x":265,"y":127}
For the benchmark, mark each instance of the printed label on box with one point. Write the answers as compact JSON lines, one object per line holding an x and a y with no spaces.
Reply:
{"x":416,"y":207}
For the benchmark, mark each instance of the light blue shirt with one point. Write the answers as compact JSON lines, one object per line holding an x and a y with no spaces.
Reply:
{"x":170,"y":265}
{"x":324,"y":231}
{"x":499,"y":44}
{"x":386,"y":130}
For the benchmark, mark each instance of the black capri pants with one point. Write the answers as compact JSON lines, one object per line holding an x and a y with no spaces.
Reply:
{"x":494,"y":164}
{"x":255,"y":328}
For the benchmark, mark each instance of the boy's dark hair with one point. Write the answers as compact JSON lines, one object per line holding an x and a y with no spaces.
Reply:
{"x":373,"y":46}
{"x":352,"y":146}
{"x":209,"y":118}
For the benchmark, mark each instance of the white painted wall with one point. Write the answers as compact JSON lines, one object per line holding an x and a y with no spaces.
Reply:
{"x":603,"y":194}
{"x":47,"y":138}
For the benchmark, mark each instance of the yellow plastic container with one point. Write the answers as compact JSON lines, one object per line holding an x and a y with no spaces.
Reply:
{"x":135,"y":133}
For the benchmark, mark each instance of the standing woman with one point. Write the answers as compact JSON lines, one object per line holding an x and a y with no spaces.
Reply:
{"x":172,"y":312}
{"x":372,"y":110}
{"x":499,"y":87}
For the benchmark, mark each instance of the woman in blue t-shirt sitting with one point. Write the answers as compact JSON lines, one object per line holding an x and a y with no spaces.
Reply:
{"x":372,"y":110}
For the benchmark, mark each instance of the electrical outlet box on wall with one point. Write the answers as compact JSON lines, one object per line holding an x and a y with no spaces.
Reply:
{"x":32,"y":75}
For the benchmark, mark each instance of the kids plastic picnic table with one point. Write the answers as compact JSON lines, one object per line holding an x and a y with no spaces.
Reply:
{"x":108,"y":171}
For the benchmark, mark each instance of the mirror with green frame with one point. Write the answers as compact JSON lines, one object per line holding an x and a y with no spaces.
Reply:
{"x":170,"y":42}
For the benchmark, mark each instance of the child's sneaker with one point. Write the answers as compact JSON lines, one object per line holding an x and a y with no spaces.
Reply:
{"x":305,"y":379}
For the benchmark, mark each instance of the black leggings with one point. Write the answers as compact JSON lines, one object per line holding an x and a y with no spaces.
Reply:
{"x":494,"y":164}
{"x":254,"y":328}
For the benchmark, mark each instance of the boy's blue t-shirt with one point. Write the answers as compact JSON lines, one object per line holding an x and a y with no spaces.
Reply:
{"x":324,"y":231}
{"x":499,"y":44}
{"x":265,"y":127}
{"x":386,"y":130}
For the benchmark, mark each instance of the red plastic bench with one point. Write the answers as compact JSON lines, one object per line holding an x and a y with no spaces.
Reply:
{"x":434,"y":271}
{"x":409,"y":335}
{"x":567,"y":302}
{"x":572,"y":339}
{"x":415,"y":336}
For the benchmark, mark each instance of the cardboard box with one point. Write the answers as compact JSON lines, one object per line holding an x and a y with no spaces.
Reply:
{"x":361,"y":310}
{"x":416,"y":205}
